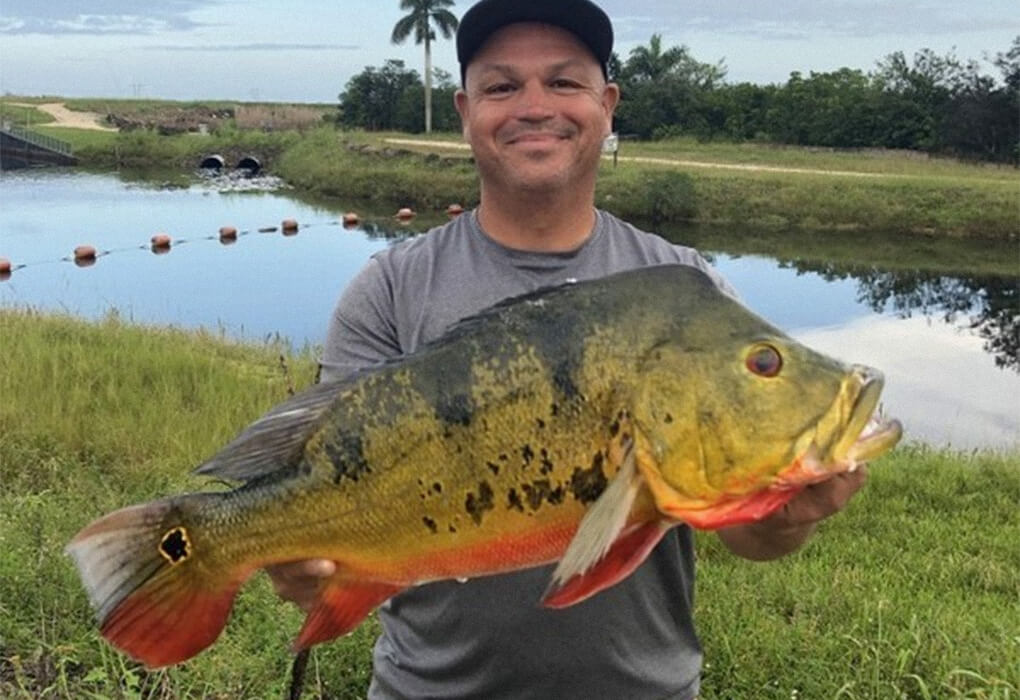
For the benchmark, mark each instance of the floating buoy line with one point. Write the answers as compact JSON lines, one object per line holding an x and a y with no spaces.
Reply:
{"x":161,"y":243}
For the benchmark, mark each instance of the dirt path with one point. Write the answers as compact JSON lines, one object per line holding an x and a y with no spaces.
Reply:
{"x":669,"y":161}
{"x":69,"y":118}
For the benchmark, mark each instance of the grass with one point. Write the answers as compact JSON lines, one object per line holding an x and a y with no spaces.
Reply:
{"x":839,"y":191}
{"x":908,"y":195}
{"x":912,"y":593}
{"x":20,"y":115}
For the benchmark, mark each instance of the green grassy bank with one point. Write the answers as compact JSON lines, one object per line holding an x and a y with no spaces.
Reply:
{"x":678,"y":180}
{"x":911,"y":593}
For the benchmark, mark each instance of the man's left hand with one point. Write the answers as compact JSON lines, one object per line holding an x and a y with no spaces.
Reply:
{"x":790,"y":526}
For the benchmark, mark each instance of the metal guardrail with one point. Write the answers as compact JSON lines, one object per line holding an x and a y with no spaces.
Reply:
{"x":40,"y":140}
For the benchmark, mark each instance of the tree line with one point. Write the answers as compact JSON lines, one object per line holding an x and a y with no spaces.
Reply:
{"x":937,"y":104}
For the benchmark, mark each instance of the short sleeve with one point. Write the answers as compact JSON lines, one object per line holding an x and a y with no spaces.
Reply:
{"x":362,"y":330}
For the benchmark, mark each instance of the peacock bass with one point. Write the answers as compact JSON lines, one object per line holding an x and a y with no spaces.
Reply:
{"x":575,"y":424}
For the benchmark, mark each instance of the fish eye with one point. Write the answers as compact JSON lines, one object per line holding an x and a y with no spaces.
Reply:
{"x":765,"y":361}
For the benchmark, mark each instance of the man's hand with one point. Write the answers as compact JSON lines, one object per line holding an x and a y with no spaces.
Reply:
{"x":791,"y":526}
{"x":299,"y":581}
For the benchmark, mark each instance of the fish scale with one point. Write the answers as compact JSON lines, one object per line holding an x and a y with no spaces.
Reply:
{"x":575,"y":424}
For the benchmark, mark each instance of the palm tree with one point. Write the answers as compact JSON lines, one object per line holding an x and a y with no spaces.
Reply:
{"x":650,"y":63}
{"x":422,"y":15}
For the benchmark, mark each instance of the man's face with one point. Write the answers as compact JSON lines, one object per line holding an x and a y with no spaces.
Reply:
{"x":535,"y":109}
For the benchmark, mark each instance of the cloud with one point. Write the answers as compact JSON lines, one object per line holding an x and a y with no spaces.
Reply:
{"x":256,"y":47}
{"x":98,"y":17}
{"x":800,"y":19}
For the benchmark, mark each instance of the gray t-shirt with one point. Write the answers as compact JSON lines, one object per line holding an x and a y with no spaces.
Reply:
{"x":489,"y":637}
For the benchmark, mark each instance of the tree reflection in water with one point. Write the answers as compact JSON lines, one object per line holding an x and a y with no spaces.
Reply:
{"x":988,"y":306}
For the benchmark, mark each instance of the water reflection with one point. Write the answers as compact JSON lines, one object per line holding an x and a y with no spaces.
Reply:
{"x":989,"y":306}
{"x":940,"y":386}
{"x":947,"y":341}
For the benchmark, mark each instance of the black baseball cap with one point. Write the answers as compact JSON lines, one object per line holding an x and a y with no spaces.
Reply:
{"x":582,"y":18}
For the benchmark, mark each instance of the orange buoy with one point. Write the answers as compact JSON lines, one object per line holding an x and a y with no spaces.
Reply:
{"x":351,"y":219}
{"x":405,"y":213}
{"x":228,"y":232}
{"x":160,"y":243}
{"x":289,"y":226}
{"x":455,"y":210}
{"x":84,"y":255}
{"x":5,"y":269}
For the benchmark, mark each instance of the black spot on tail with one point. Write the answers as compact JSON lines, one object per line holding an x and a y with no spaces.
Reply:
{"x":175,"y":545}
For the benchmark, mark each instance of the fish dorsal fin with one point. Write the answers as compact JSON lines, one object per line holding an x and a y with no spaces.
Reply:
{"x":275,"y":441}
{"x":602,"y":524}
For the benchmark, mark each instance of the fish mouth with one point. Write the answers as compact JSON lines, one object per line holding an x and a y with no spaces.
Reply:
{"x":851,"y":432}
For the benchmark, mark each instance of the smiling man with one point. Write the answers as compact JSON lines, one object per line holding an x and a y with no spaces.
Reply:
{"x":535,"y":107}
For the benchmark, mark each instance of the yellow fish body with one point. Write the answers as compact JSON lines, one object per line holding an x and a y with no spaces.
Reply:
{"x":576,"y":424}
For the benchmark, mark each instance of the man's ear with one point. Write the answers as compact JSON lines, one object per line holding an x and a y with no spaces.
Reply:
{"x":460,"y":103}
{"x":610,"y":98}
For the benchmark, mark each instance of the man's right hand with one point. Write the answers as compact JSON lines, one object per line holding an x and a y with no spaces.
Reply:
{"x":300,"y":581}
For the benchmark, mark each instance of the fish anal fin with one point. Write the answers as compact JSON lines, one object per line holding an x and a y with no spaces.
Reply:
{"x":623,"y":557}
{"x":342,"y":605}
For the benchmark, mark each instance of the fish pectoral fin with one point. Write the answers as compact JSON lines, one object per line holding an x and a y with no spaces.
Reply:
{"x":602,"y":524}
{"x":275,"y":440}
{"x":624,"y":556}
{"x":342,"y":605}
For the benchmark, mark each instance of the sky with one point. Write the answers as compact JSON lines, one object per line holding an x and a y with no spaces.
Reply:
{"x":306,"y":50}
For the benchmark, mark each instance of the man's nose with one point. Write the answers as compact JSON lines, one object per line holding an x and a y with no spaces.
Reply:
{"x":534,"y":102}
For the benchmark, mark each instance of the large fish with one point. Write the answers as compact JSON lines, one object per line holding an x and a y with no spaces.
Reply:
{"x":576,"y":424}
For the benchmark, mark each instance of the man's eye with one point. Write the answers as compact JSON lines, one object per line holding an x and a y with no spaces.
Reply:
{"x":499,"y":88}
{"x":565,"y":84}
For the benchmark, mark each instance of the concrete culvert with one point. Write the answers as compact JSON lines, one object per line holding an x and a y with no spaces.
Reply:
{"x":212,"y":162}
{"x":249,"y":163}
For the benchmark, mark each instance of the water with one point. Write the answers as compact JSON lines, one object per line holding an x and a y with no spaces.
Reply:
{"x":947,"y":343}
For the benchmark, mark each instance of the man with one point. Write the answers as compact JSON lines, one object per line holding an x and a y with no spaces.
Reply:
{"x":535,"y":107}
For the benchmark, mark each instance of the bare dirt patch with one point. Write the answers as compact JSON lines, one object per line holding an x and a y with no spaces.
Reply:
{"x":70,"y":118}
{"x":664,"y":161}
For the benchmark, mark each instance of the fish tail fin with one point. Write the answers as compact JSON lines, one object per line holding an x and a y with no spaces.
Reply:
{"x":156,"y":595}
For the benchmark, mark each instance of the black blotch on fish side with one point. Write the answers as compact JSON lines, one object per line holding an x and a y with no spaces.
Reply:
{"x":588,"y":484}
{"x":175,"y":546}
{"x":513,"y":500}
{"x":540,"y":491}
{"x":546,"y":465}
{"x":527,"y":454}
{"x":559,"y":343}
{"x":430,"y":524}
{"x":455,"y":409}
{"x":446,"y":384}
{"x":563,"y":379}
{"x":347,"y":454}
{"x":477,"y":504}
